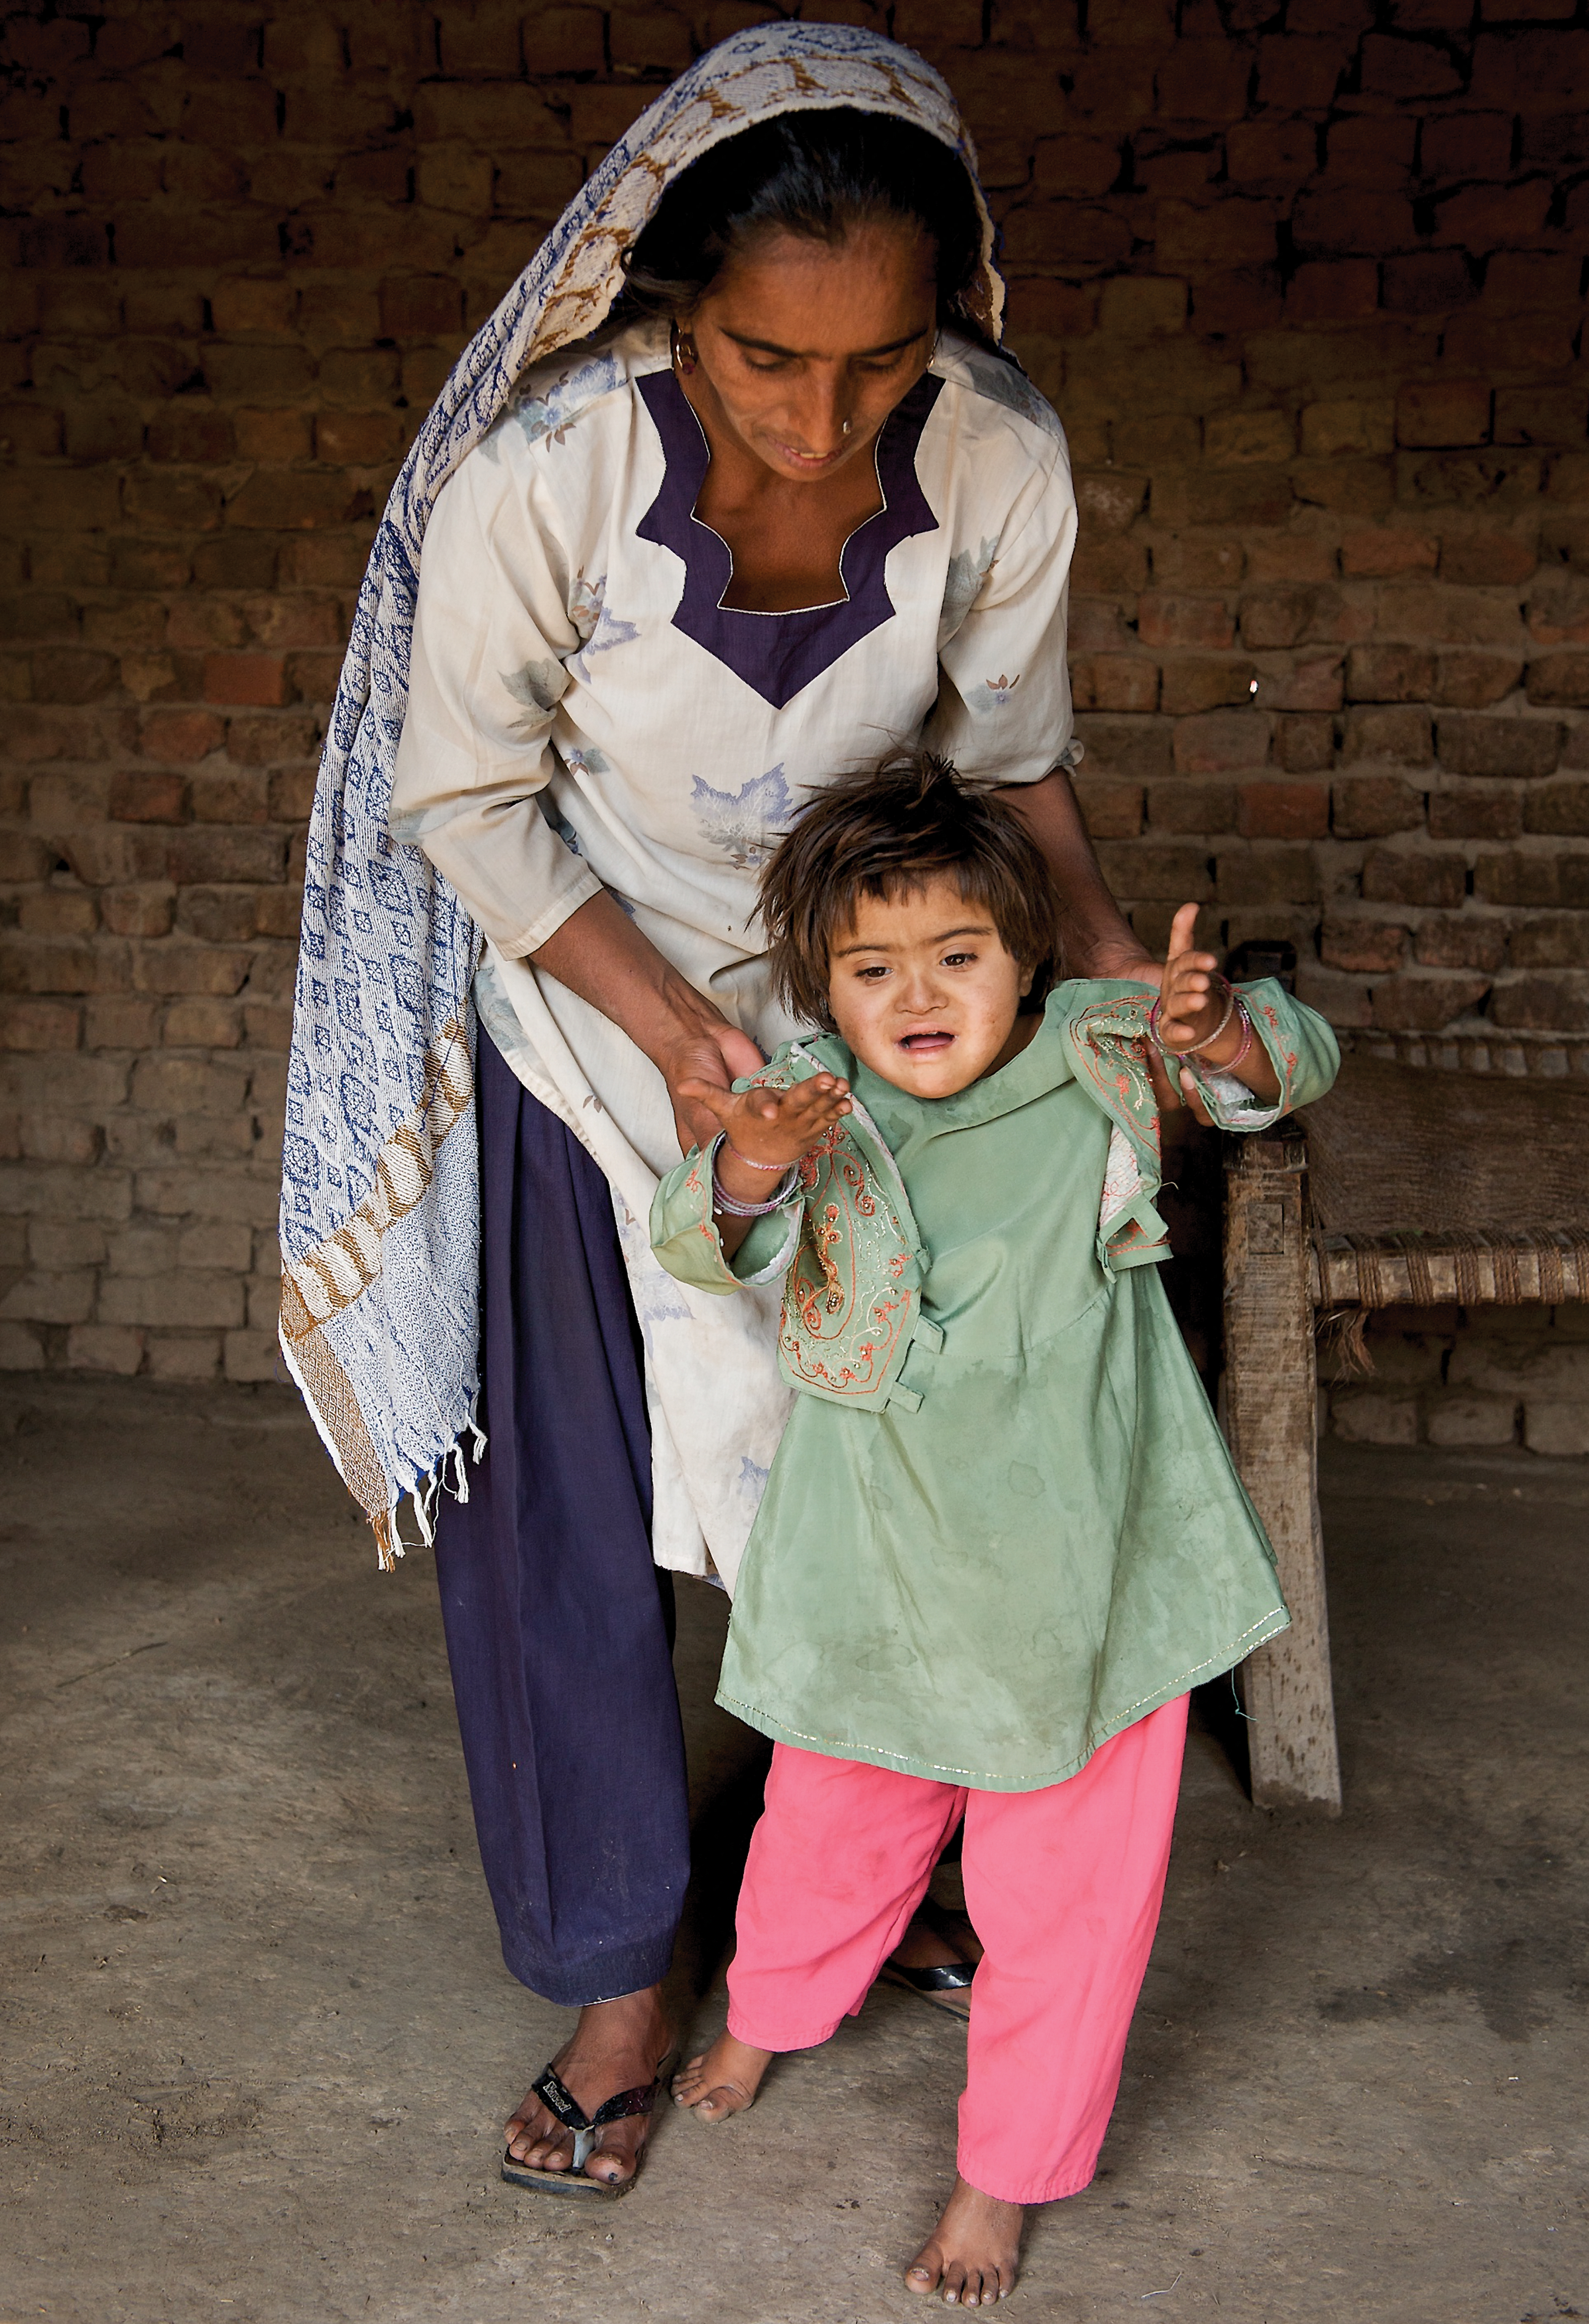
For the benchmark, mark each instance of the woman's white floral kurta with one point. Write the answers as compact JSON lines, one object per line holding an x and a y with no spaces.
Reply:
{"x":584,"y":712}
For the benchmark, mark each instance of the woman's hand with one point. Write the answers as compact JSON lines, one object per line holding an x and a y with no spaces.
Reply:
{"x":599,"y":953}
{"x":765,"y":1130}
{"x":698,"y":1068}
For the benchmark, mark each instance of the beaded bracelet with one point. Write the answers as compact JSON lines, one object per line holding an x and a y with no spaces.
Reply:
{"x":730,"y":1204}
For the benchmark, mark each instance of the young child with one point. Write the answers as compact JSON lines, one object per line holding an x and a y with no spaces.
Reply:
{"x":1002,"y":1537}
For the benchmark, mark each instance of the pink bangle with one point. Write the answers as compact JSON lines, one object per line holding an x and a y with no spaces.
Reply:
{"x":781,"y":1168}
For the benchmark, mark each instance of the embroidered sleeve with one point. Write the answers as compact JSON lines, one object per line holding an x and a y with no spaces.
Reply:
{"x":1299,"y":1046}
{"x":685,"y":1238}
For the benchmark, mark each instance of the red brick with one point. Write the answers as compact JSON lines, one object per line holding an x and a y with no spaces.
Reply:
{"x":1114,"y":682}
{"x":1383,"y":554}
{"x":1480,"y":216}
{"x":263,"y":742}
{"x":1204,"y":682}
{"x":1525,"y":747}
{"x":1472,"y":811}
{"x":1205,"y":80}
{"x":1109,"y":568}
{"x":1406,"y":70}
{"x":1268,"y":875}
{"x":1370,"y":150}
{"x":1467,"y":145}
{"x":1528,"y":879}
{"x":1108,"y":501}
{"x":1390,"y":674}
{"x":1362,"y":947}
{"x":1246,"y":299}
{"x":1059,"y":311}
{"x":1222,"y":741}
{"x":1190,"y":809}
{"x":1402,"y":736}
{"x":1299,"y":76}
{"x":138,"y":911}
{"x":1560,"y":679}
{"x":149,"y":799}
{"x":246,"y":677}
{"x":1337,"y":219}
{"x":1472,"y":681}
{"x":1462,"y":941}
{"x":1427,"y":282}
{"x":421,"y":307}
{"x":179,"y":734}
{"x":1542,"y":1004}
{"x":1193,"y":239}
{"x":1556,"y":940}
{"x":1397,"y":875}
{"x":1447,"y":412}
{"x":1554,"y":807}
{"x":1303,"y":746}
{"x":1350,"y":488}
{"x":1333,"y":291}
{"x":313,"y":676}
{"x":1225,"y":496}
{"x":1372,"y":806}
{"x":1140,"y":871}
{"x":1283,"y":811}
{"x":1425,"y":1004}
{"x":273,"y":437}
{"x":1315,"y":683}
{"x":39,"y":1025}
{"x":1541,"y":415}
{"x":1163,"y":621}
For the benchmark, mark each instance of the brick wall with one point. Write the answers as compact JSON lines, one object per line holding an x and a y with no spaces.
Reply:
{"x":1304,"y":276}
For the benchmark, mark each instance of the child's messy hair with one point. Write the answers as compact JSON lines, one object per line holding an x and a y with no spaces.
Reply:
{"x":885,"y":832}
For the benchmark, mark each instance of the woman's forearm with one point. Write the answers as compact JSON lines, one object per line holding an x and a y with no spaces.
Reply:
{"x":599,"y":953}
{"x":1097,"y":938}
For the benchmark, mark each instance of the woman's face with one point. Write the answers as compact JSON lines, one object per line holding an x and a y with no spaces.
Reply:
{"x":796,"y":337}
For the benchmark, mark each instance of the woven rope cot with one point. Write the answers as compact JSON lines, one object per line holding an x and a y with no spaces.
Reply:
{"x":1399,"y":1189}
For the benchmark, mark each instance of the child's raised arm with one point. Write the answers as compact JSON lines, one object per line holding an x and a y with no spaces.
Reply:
{"x":1199,"y":1014}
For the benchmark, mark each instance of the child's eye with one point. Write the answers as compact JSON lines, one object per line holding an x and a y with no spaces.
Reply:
{"x":958,"y":959}
{"x":871,"y":975}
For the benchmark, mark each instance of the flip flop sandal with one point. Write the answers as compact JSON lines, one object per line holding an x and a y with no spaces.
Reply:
{"x":946,"y":1984}
{"x":557,"y":2099}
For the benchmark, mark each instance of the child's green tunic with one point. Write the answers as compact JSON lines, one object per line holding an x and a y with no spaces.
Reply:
{"x":985,"y":1589}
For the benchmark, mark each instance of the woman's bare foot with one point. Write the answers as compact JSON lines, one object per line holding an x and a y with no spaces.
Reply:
{"x":617,"y":2045}
{"x":723,"y":2080}
{"x":973,"y":2254}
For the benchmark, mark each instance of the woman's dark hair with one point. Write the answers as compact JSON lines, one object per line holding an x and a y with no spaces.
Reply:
{"x":818,"y":174}
{"x":885,"y":832}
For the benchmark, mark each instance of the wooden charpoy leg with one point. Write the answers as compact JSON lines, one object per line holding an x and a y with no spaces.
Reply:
{"x":1271,"y":1397}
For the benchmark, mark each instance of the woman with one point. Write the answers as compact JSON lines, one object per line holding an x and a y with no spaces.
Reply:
{"x":783,"y":505}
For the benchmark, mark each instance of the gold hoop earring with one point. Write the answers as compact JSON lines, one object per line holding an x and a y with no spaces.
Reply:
{"x":683,"y":352}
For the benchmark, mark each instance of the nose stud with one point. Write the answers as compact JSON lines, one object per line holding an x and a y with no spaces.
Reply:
{"x":846,"y":428}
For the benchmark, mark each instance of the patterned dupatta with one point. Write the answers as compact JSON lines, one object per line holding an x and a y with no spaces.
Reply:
{"x":380,"y":1195}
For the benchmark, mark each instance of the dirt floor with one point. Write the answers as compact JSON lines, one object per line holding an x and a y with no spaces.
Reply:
{"x":258,"y":2039}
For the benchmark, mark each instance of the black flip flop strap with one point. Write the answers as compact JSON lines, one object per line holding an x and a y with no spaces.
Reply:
{"x":943,"y":1977}
{"x":558,"y":2098}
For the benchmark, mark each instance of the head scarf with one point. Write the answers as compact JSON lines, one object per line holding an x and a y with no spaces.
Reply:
{"x":380,"y":1193}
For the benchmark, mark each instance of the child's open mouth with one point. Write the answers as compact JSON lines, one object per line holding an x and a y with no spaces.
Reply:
{"x":926,"y":1045}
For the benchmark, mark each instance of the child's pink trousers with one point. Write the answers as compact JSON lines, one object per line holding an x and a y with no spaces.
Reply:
{"x":1063,"y":1886}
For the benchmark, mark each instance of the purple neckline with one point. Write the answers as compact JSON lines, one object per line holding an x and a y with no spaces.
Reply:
{"x":778,"y":654}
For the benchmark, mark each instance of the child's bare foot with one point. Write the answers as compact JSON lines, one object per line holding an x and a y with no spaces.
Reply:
{"x":723,"y":2081}
{"x":973,"y":2254}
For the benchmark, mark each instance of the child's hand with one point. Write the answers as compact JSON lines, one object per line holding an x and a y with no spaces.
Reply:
{"x":1191,"y":1002}
{"x":770,"y":1127}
